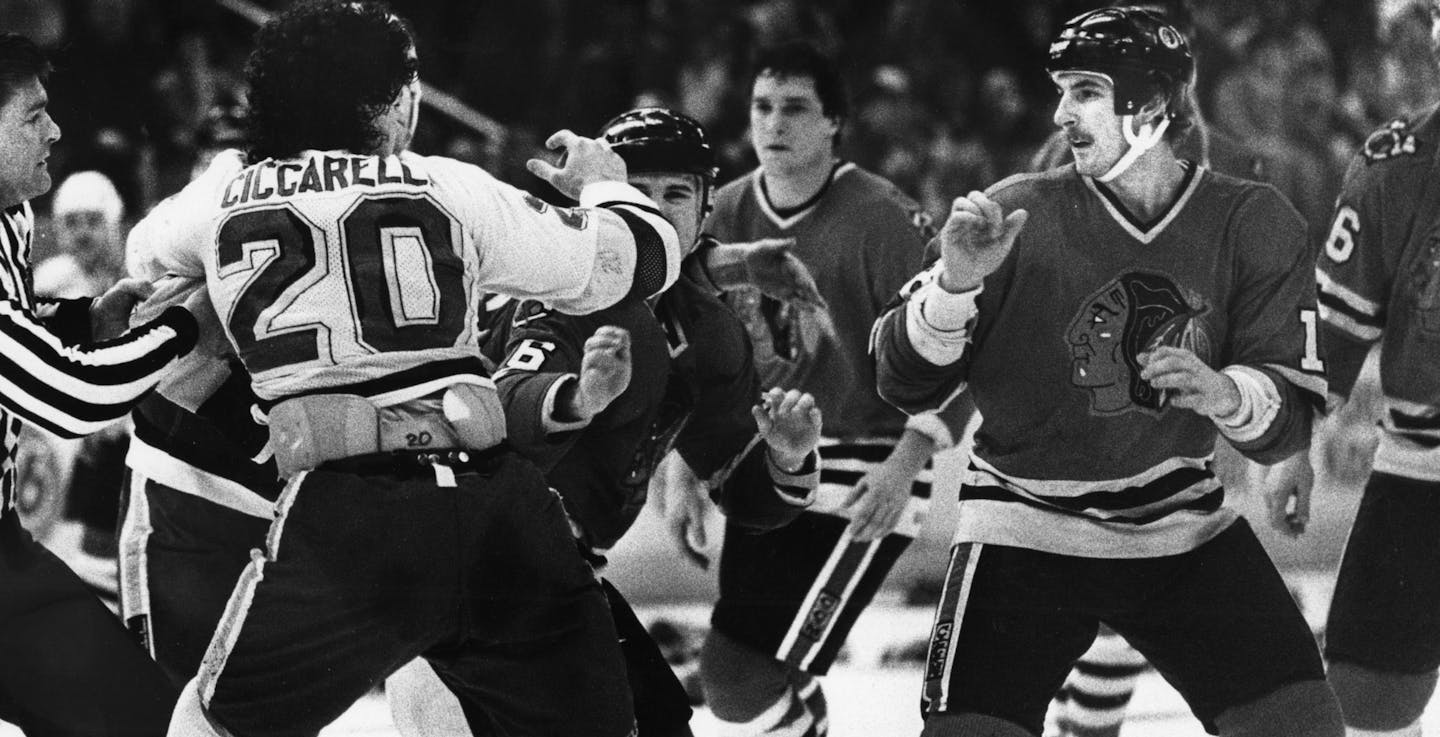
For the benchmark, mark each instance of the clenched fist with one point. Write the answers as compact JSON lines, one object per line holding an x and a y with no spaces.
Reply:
{"x":789,"y":422}
{"x":604,"y":372}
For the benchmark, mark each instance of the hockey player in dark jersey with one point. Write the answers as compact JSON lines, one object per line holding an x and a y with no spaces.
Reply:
{"x":199,"y":495}
{"x":693,"y":382}
{"x":1094,"y":699}
{"x":1112,"y":319}
{"x":789,"y":598}
{"x":692,"y":388}
{"x":1379,"y":279}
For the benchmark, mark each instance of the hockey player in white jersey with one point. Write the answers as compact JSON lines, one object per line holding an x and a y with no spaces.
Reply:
{"x":346,"y":272}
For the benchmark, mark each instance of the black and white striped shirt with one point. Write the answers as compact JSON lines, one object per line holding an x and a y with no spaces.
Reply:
{"x":51,"y":377}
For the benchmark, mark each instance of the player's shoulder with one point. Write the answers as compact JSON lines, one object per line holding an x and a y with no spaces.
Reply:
{"x":855,"y":181}
{"x":1263,"y":226}
{"x":1398,"y":156}
{"x":444,"y":171}
{"x":1402,"y":141}
{"x":869,"y":202}
{"x":1247,"y":198}
{"x":223,"y":169}
{"x":731,"y":193}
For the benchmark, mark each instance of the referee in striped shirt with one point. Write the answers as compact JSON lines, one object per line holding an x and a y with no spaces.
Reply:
{"x":67,"y":666}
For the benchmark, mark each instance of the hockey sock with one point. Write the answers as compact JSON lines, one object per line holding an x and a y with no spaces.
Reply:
{"x":1093,"y":701}
{"x":789,"y":715}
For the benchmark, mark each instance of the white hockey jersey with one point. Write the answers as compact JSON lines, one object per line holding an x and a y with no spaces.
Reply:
{"x":341,"y":272}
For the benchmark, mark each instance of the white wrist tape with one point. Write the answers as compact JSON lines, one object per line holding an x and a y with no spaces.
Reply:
{"x":1259,"y":405}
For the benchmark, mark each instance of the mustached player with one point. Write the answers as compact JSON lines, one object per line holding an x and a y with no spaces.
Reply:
{"x":1090,"y":498}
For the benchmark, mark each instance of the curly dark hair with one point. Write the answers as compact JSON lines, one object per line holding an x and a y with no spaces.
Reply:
{"x":321,"y":73}
{"x":20,"y":60}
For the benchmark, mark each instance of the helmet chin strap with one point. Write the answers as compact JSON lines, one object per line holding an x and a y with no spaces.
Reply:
{"x":1142,"y":140}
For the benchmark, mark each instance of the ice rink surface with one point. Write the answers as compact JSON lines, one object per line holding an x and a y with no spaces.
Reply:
{"x":874,"y":689}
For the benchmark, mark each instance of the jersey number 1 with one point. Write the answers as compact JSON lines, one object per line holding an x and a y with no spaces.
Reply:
{"x":403,"y":274}
{"x":1311,"y":360}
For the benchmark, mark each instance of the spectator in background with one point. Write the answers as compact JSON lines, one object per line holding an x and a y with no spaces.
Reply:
{"x":1251,"y":104}
{"x":87,"y":214}
{"x":892,"y":128}
{"x":222,"y":128}
{"x":1005,"y":121}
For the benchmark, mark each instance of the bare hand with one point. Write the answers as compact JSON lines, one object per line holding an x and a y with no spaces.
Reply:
{"x":1286,"y":488}
{"x":604,"y":372}
{"x":975,"y":240}
{"x":211,"y":339}
{"x":683,"y":501}
{"x":789,"y":422}
{"x":878,"y":500}
{"x":110,"y":312}
{"x":1188,"y":382}
{"x":585,"y":161}
{"x":1348,"y":435}
{"x":169,"y":290}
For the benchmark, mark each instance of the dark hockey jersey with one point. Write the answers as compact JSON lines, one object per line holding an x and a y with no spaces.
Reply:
{"x":861,"y":239}
{"x":1379,"y":279}
{"x":1076,"y":454}
{"x":691,"y":388}
{"x":218,"y":452}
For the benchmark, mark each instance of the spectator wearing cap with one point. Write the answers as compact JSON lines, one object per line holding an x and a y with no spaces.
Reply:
{"x":87,"y":214}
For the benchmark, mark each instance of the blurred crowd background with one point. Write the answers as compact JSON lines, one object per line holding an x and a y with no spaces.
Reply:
{"x":946,"y":95}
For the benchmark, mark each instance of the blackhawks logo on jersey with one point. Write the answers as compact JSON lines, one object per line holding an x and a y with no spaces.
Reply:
{"x":1395,"y":139}
{"x":1134,"y":313}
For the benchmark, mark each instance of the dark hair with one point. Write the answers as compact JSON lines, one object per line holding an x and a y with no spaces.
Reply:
{"x":801,"y":59}
{"x":321,"y":73}
{"x":20,"y":61}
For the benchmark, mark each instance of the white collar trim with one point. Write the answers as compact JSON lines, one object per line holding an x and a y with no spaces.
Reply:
{"x":783,"y":222}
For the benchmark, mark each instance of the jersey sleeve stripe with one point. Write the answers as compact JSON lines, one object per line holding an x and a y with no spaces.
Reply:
{"x":1347,"y":324}
{"x":657,"y":263}
{"x":1337,"y":294}
{"x":1333,"y":304}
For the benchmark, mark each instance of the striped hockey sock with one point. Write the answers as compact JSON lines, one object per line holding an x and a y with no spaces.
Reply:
{"x":1093,"y":701}
{"x":800,"y":712}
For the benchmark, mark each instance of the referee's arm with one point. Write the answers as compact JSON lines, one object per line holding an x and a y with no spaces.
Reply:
{"x":74,"y":390}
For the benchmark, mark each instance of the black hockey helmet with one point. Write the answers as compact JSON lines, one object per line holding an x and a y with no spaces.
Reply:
{"x":1140,"y":53}
{"x":657,"y":139}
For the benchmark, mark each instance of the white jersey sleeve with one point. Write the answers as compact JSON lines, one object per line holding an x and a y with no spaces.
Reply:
{"x":577,"y":260}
